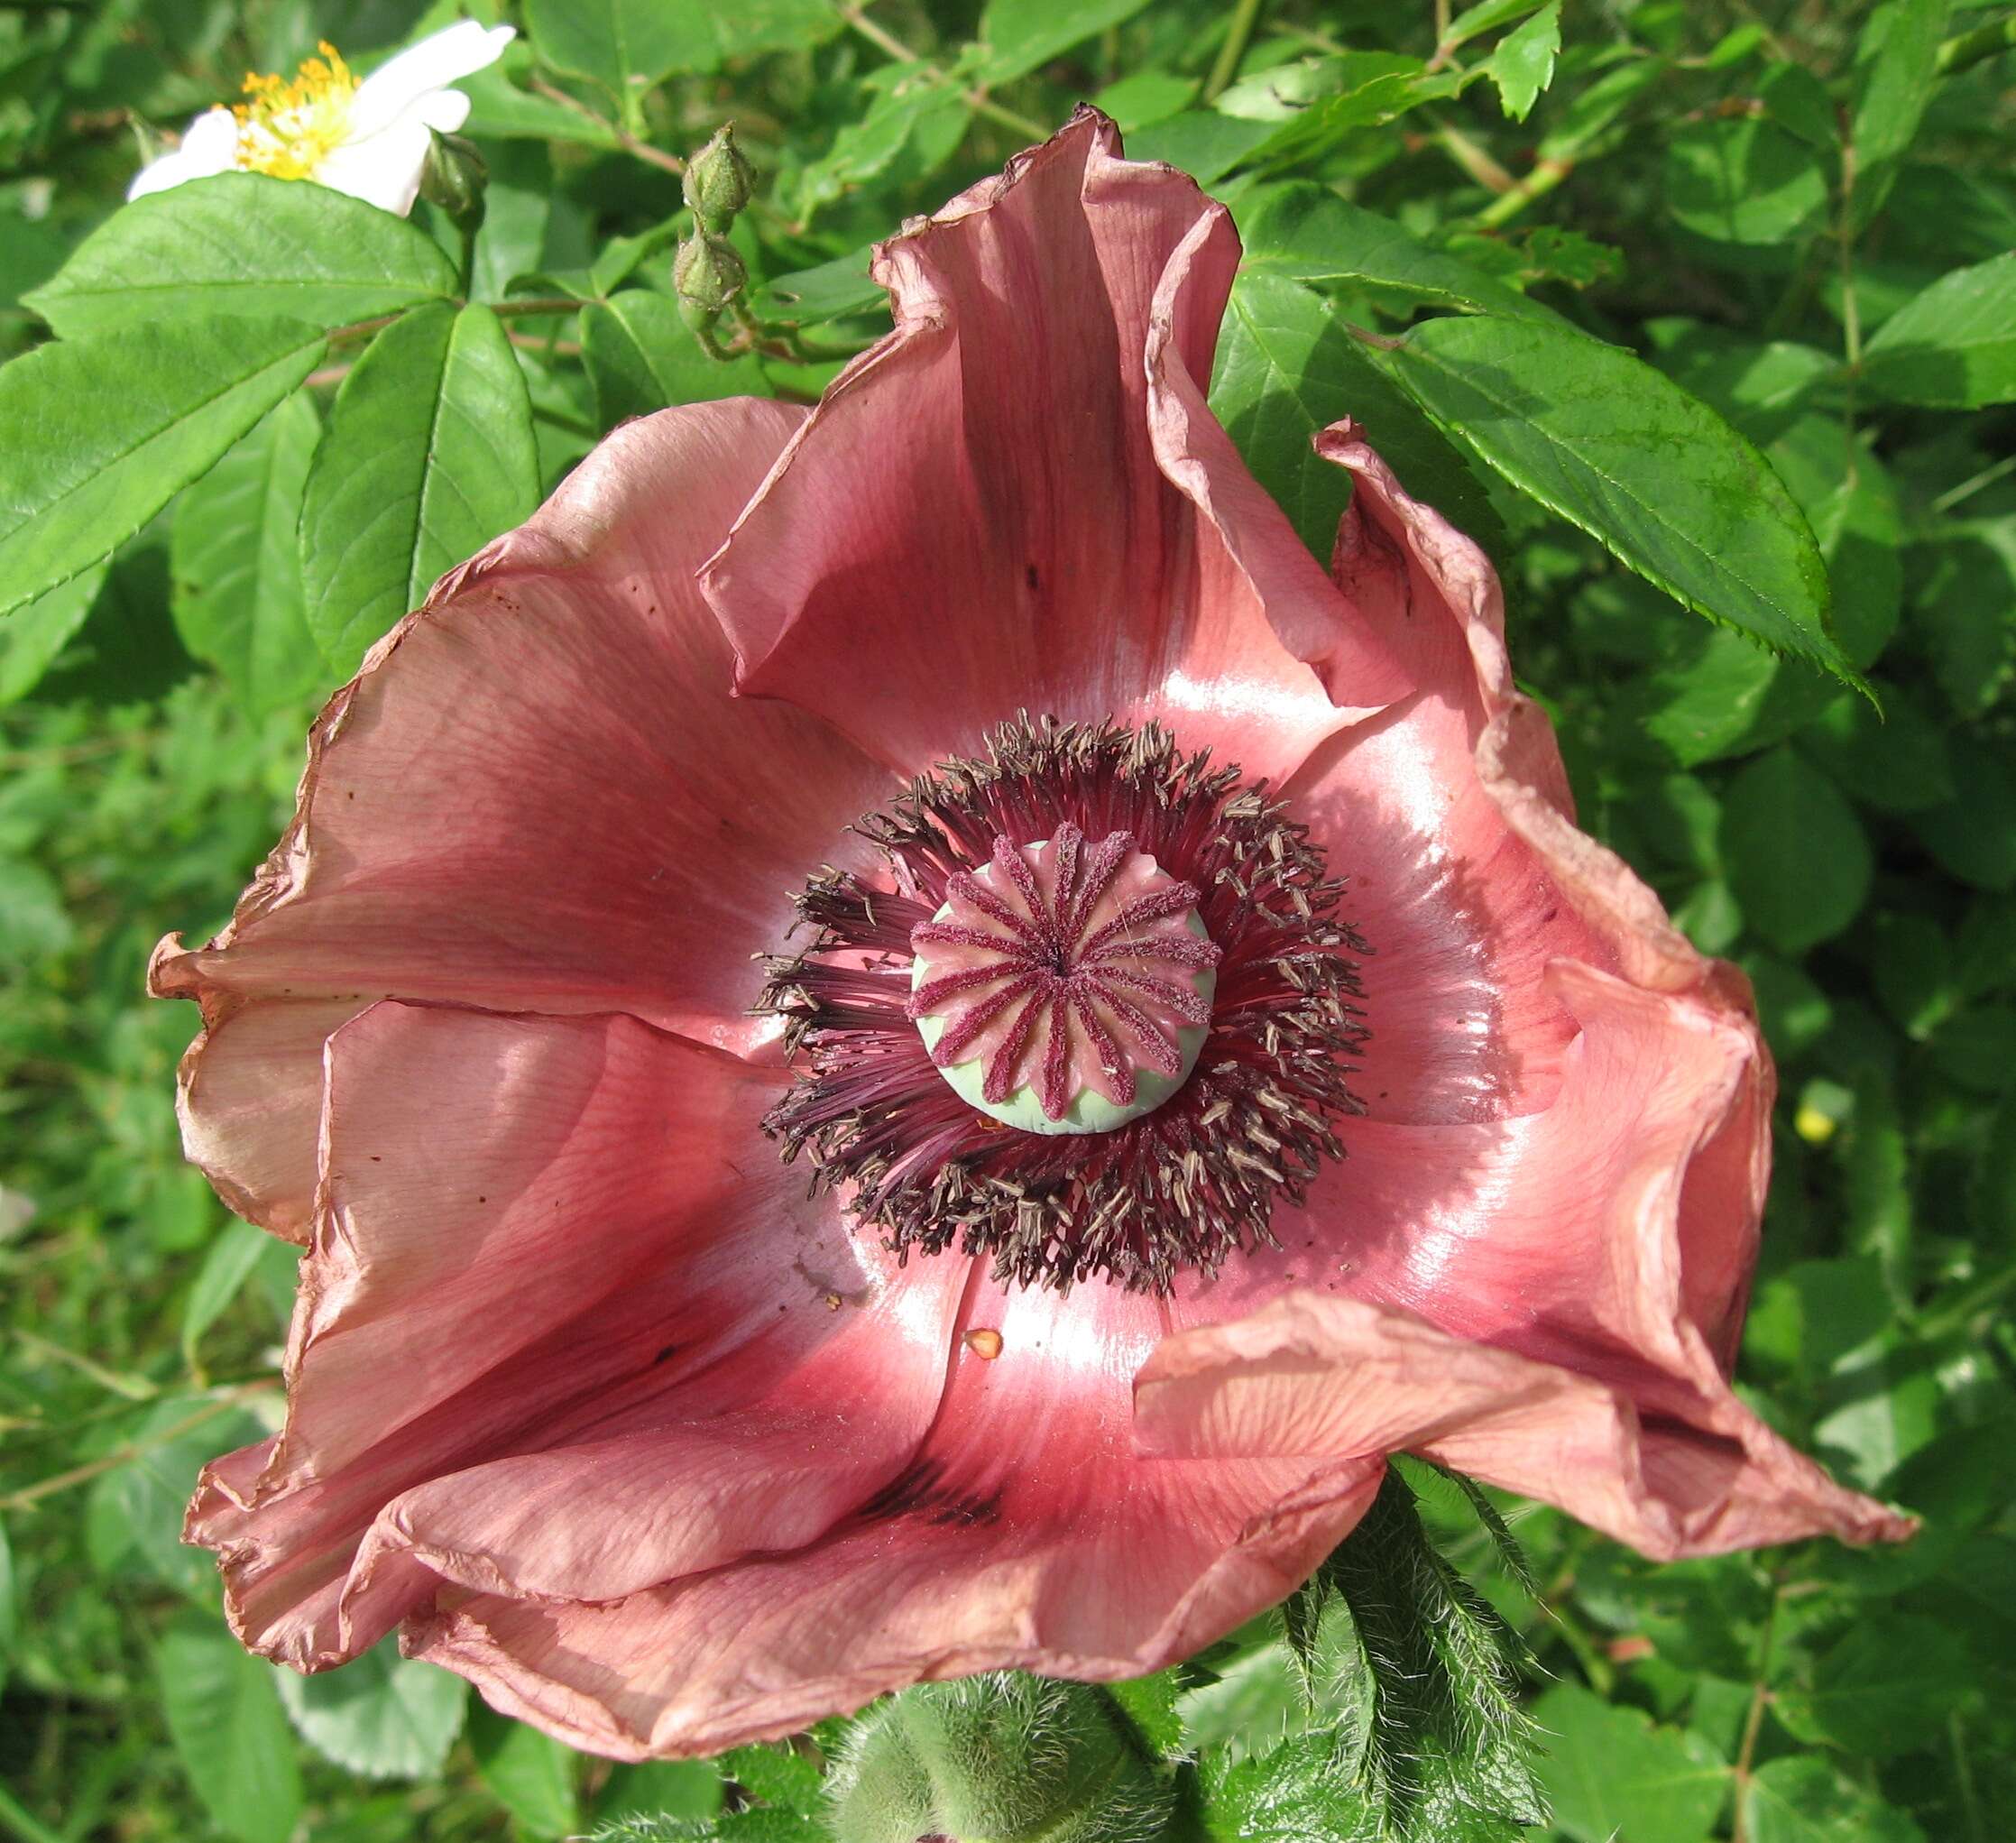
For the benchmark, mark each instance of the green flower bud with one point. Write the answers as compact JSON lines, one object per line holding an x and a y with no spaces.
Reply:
{"x":997,"y":1759}
{"x":718,"y":181}
{"x":707,"y":273}
{"x":454,"y":176}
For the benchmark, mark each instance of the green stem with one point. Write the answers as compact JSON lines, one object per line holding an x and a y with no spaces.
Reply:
{"x":1851,"y":312}
{"x":17,"y":1818}
{"x":1966,"y":489}
{"x":1752,"y":1723}
{"x":1976,"y":47}
{"x":1238,"y":35}
{"x":1963,"y":1779}
{"x":1976,"y":1299}
{"x":1542,"y":181}
{"x":135,"y":1448}
{"x":977,"y":100}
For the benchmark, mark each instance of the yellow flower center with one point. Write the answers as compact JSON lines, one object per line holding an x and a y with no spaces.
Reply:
{"x":292,"y":125}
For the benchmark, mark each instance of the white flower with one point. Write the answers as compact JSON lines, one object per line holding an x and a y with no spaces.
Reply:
{"x":368,"y":139}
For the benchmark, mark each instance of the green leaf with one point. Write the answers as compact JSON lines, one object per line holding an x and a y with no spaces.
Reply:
{"x":623,"y":256}
{"x":1796,"y":854}
{"x":226,"y":1716}
{"x":678,"y":1788}
{"x":631,"y":46}
{"x":911,"y":106}
{"x":1898,"y":61}
{"x":381,"y":1715}
{"x":133,"y":1514}
{"x":33,"y":636}
{"x":1252,"y":1704}
{"x":640,"y":357}
{"x":1746,"y":181}
{"x":427,"y":454}
{"x":1612,"y":1774}
{"x":1320,"y":101}
{"x":1590,"y":119}
{"x":1202,"y":143}
{"x":97,"y":435}
{"x":225,"y":1269}
{"x":1887,"y":1687}
{"x":245,"y":243}
{"x":1954,"y":347}
{"x":1018,"y":36}
{"x":499,"y":109}
{"x":1807,"y":1319}
{"x":1851,"y":504}
{"x":1306,"y":233}
{"x":1296,"y":1792}
{"x":1806,"y":1799}
{"x":1523,"y":64}
{"x":831,"y":291}
{"x":1962,"y":591}
{"x":10,"y":1608}
{"x":1286,"y":370}
{"x":778,"y":1773}
{"x":1448,"y":1751}
{"x":1973,"y":836}
{"x":1662,"y":481}
{"x":1487,"y":16}
{"x":518,"y":205}
{"x":1275,"y":385}
{"x":1798,"y":101}
{"x":34,"y":924}
{"x":530,"y":1775}
{"x":236,"y":562}
{"x":1149,"y":1707}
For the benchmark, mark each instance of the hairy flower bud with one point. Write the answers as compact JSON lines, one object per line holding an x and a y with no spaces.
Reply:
{"x":707,"y":273}
{"x":718,"y":181}
{"x":454,"y":176}
{"x":1009,"y":1759}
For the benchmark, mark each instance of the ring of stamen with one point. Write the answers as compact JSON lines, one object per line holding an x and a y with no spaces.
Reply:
{"x":1181,"y":1186}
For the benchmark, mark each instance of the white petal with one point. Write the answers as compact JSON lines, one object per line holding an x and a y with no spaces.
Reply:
{"x":383,"y":170}
{"x":209,"y":145}
{"x":446,"y":109}
{"x":464,"y":49}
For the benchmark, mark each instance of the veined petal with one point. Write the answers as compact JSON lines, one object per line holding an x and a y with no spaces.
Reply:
{"x":577,"y":1262}
{"x":1310,"y":1375}
{"x":562,"y":701}
{"x":1026,"y":1533}
{"x":1047,"y":517}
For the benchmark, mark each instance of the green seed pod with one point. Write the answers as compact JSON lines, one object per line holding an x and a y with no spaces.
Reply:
{"x":718,"y":181}
{"x":707,"y":273}
{"x":997,"y":1759}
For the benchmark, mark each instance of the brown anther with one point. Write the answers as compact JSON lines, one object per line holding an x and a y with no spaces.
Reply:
{"x":984,"y":1344}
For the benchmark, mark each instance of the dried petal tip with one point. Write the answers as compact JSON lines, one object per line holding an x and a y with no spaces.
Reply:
{"x":1065,"y":987}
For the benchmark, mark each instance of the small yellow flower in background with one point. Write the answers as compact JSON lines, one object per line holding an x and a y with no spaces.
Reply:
{"x":369,"y":139}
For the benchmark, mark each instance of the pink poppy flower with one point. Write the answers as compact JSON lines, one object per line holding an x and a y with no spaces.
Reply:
{"x":611,"y":1408}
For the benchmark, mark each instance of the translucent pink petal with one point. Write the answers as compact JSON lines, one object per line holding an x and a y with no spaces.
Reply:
{"x":581,"y":1240}
{"x":1467,"y":781}
{"x":1026,"y":1533}
{"x":250,"y":1099}
{"x":539,"y":794}
{"x":1312,"y":1375}
{"x":1019,"y":500}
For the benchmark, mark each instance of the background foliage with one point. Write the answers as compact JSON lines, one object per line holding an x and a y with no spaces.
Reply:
{"x":1682,"y":309}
